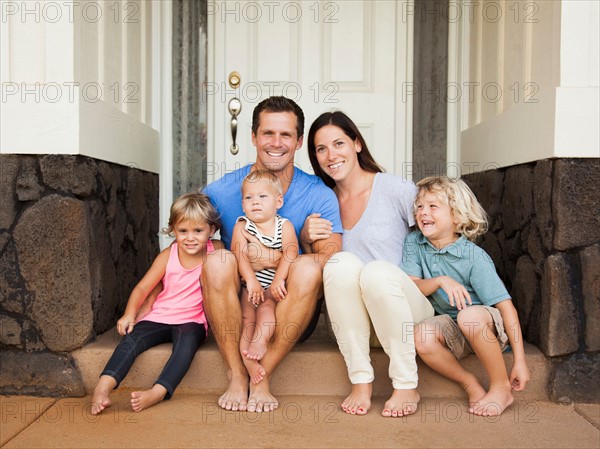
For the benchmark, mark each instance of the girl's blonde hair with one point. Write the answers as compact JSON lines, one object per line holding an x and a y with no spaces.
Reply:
{"x":257,"y":175}
{"x":472,"y":219}
{"x":194,"y":207}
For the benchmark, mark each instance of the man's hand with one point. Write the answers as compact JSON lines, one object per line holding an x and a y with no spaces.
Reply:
{"x":259,"y":256}
{"x":315,"y":228}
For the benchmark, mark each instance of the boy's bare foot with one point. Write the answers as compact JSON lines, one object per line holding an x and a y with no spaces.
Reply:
{"x":261,"y":399}
{"x":235,"y":397}
{"x":359,"y":400}
{"x":255,"y":370}
{"x":100,"y":399}
{"x":141,"y":400}
{"x":401,"y":403}
{"x":255,"y":351}
{"x":474,"y":390}
{"x":493,"y":403}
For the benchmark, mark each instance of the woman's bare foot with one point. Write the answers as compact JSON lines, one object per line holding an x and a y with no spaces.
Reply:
{"x":235,"y":397}
{"x":493,"y":403}
{"x":401,"y":403}
{"x":141,"y":400}
{"x":256,"y":351}
{"x":359,"y":400}
{"x":255,"y":370}
{"x":101,"y":396}
{"x":261,"y":399}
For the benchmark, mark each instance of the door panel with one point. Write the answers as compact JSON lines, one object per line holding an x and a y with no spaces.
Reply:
{"x":325,"y":56}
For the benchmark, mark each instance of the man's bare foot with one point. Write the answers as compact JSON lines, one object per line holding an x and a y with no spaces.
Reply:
{"x":493,"y":403}
{"x":359,"y":400}
{"x":256,"y":351}
{"x":235,"y":397}
{"x":261,"y":399}
{"x":401,"y":403}
{"x":255,"y":370}
{"x":100,"y":399}
{"x":141,"y":400}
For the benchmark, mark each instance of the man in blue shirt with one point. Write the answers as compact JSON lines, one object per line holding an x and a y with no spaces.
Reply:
{"x":277,"y":132}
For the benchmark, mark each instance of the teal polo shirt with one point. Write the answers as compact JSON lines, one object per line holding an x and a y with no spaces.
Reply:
{"x":463,"y":261}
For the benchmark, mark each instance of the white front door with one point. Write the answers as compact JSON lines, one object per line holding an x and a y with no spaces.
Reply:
{"x":355,"y":56}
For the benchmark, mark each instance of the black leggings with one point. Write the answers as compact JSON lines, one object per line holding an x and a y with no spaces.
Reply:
{"x":186,"y":338}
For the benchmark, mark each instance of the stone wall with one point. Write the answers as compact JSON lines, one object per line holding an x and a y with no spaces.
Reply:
{"x":76,"y":234}
{"x":545,"y":240}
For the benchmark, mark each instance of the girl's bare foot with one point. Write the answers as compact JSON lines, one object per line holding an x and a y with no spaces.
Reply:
{"x":100,"y":400}
{"x":493,"y":403}
{"x":141,"y":400}
{"x":256,"y":351}
{"x":255,"y":370}
{"x":401,"y":403}
{"x":359,"y":400}
{"x":101,"y":396}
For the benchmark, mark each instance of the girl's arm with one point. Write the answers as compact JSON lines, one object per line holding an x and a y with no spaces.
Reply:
{"x":519,"y":375}
{"x":238,"y":244}
{"x":140,"y":292}
{"x":457,"y":293}
{"x":290,"y":248}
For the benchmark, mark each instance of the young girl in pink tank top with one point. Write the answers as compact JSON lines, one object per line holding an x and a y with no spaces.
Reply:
{"x":176,"y":315}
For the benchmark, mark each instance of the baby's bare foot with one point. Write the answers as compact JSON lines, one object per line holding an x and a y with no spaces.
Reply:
{"x":401,"y":403}
{"x":100,"y":400}
{"x":359,"y":400}
{"x":255,"y":370}
{"x":141,"y":400}
{"x":256,"y":351}
{"x":493,"y":403}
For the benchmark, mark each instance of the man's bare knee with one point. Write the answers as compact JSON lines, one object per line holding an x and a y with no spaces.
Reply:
{"x":219,"y":269}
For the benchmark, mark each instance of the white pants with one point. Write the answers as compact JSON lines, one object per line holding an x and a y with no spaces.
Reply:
{"x":379,"y":292}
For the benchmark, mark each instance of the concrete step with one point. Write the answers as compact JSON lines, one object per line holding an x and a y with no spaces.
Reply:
{"x":314,"y":367}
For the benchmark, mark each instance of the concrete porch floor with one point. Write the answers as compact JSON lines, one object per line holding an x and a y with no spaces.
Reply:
{"x":193,"y":420}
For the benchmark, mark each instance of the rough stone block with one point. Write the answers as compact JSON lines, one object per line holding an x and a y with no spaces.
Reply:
{"x":28,"y":185}
{"x":535,"y":247}
{"x":560,"y":329}
{"x":10,"y":331}
{"x":542,"y":201}
{"x":70,"y":174}
{"x":9,"y":169}
{"x":11,"y":298}
{"x":590,"y":281}
{"x":577,"y":379}
{"x":488,"y":187}
{"x":526,"y":289}
{"x":40,"y":374}
{"x":575,"y":200}
{"x":54,"y":261}
{"x":517,"y":200}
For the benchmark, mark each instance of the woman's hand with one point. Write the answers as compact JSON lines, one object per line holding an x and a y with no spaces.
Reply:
{"x":259,"y":256}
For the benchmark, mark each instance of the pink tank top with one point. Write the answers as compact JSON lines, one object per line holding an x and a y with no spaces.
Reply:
{"x":181,"y":299}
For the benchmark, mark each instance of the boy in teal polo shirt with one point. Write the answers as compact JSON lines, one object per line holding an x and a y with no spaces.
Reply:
{"x":474,"y":312}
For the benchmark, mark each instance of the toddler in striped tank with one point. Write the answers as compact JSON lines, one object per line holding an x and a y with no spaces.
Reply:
{"x":261,"y":229}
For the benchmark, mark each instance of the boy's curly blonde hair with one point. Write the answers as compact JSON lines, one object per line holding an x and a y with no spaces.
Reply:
{"x":194,"y":207}
{"x":472,"y":219}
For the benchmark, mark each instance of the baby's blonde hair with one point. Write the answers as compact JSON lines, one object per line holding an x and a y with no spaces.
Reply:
{"x":257,"y":175}
{"x":194,"y":207}
{"x":472,"y":219}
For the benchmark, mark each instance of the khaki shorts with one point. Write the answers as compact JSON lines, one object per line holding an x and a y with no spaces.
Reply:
{"x":458,"y":343}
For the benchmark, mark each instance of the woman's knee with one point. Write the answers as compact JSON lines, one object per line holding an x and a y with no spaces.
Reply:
{"x":378,"y":274}
{"x":342,"y":265}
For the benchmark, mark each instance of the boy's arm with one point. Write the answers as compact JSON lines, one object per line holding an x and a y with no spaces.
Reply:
{"x":289,"y":244}
{"x":238,"y":244}
{"x":457,"y":293}
{"x":141,"y":291}
{"x":519,"y":375}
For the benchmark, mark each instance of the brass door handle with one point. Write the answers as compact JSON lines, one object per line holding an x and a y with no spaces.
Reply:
{"x":235,"y":107}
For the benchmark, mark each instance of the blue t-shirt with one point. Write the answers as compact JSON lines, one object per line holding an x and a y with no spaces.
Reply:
{"x":306,"y":195}
{"x":463,"y":261}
